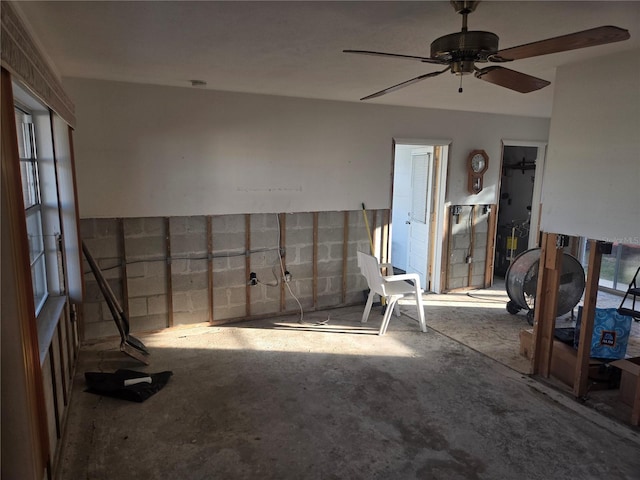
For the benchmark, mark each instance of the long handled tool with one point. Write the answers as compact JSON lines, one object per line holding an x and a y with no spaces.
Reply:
{"x":129,"y":345}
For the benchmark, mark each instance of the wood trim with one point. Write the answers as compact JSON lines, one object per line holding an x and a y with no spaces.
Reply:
{"x":283,"y":242}
{"x":580,"y":383}
{"x":13,"y":215}
{"x":384,"y":241}
{"x":345,"y":255}
{"x":54,"y":391}
{"x":63,"y":367}
{"x":546,"y":306}
{"x":247,"y":262}
{"x":314,"y":279}
{"x":79,"y":326}
{"x":210,"y":265}
{"x":375,"y":235}
{"x":20,"y":56}
{"x":446,"y":248}
{"x":491,"y":241}
{"x":167,"y":232}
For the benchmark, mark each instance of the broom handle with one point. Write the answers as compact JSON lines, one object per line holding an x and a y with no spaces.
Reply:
{"x":366,"y":223}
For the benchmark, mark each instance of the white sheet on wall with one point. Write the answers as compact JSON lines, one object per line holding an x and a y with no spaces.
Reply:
{"x":592,"y":174}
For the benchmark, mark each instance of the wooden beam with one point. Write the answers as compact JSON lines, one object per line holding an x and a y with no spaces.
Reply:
{"x":210,"y":266}
{"x":384,"y":241}
{"x":345,"y":255}
{"x":546,"y":305}
{"x":580,"y":383}
{"x":247,"y":262}
{"x":283,"y":242}
{"x":491,"y":242}
{"x":314,"y":280}
{"x":63,"y":368}
{"x":446,"y":248}
{"x":123,"y":267}
{"x":167,"y":231}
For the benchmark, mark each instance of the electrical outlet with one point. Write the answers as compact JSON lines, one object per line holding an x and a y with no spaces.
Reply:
{"x":253,"y":279}
{"x":469,"y":259}
{"x":287,"y":276}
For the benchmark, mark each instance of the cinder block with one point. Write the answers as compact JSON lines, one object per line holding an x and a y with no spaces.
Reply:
{"x":181,"y":302}
{"x":461,"y":241}
{"x":336,"y":251}
{"x":227,"y":224}
{"x":135,"y":270}
{"x":460,"y":270}
{"x":301,"y":236}
{"x":328,"y":269}
{"x":228,"y":242}
{"x":188,"y":282}
{"x":457,"y":283}
{"x":87,"y":228}
{"x":330,"y":219}
{"x":189,"y":225}
{"x":200,"y":299}
{"x":145,"y":247}
{"x":224,"y":313}
{"x":228,"y":296}
{"x":149,"y":322}
{"x":138,"y":307}
{"x":198,"y":266}
{"x":230,"y":278}
{"x":94,"y":331}
{"x":147,"y":286}
{"x":133,"y":227}
{"x":264,"y":239}
{"x":106,"y":227}
{"x":103,"y":247}
{"x":154,"y":226}
{"x":264,"y":308}
{"x":157,"y":304}
{"x":300,"y":220}
{"x":331,"y":234}
{"x":187,"y":318}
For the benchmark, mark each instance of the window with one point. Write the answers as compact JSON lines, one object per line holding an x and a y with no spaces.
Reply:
{"x":32,"y":204}
{"x":618,"y":267}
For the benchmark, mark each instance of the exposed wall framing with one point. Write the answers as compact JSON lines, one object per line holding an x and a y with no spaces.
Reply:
{"x":188,"y":270}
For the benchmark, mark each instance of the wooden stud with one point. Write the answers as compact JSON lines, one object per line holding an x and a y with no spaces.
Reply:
{"x":491,"y":241}
{"x":384,"y":241}
{"x":247,"y":262}
{"x":315,"y":260}
{"x":123,"y":268}
{"x":345,"y":255}
{"x":210,"y":266}
{"x":581,"y":380}
{"x":282,"y":245}
{"x":546,"y":306}
{"x":167,"y":231}
{"x":375,"y":234}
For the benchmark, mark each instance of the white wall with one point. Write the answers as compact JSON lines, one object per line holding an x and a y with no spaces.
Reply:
{"x":146,"y":150}
{"x":592,"y":174}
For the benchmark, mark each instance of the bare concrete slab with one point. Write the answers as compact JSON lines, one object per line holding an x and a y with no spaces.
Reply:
{"x":329,"y":399}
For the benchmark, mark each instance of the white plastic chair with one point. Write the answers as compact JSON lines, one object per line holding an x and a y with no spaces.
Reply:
{"x":392,"y":288}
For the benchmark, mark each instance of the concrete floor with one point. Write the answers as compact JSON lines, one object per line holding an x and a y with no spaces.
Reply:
{"x":275,"y":399}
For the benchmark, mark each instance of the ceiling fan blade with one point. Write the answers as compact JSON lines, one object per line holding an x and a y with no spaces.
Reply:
{"x":586,"y":38}
{"x":505,"y":77}
{"x":395,"y":55}
{"x":404,"y":84}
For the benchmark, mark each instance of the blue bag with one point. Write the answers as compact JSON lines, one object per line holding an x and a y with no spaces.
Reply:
{"x":610,"y":333}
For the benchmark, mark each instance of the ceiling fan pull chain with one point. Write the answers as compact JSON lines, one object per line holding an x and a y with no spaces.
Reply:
{"x":460,"y":88}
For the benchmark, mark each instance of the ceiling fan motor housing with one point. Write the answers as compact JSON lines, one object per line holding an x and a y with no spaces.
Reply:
{"x":462,"y":49}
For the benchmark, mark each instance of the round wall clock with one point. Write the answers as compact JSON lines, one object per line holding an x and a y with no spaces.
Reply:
{"x":477,"y":164}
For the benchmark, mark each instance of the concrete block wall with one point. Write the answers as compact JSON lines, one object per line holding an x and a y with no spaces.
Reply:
{"x":186,"y":270}
{"x":471,"y":223}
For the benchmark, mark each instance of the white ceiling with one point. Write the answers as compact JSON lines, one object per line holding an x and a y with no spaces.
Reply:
{"x":295,"y":48}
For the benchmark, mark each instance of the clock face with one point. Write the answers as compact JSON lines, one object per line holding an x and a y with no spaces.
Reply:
{"x":477,"y":163}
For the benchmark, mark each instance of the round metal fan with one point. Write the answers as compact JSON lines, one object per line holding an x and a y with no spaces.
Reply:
{"x":461,"y":51}
{"x":521,"y":282}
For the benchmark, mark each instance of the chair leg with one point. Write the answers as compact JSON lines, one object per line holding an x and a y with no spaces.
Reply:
{"x":420,"y":307}
{"x":367,"y":308}
{"x":387,"y":314}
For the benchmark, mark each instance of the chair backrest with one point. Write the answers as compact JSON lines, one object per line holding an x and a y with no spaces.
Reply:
{"x":370,"y":269}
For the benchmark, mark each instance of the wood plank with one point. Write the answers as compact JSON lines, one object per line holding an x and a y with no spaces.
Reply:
{"x":210,"y":266}
{"x":581,"y":377}
{"x":63,"y":377}
{"x":546,"y":305}
{"x":167,"y":231}
{"x":345,"y":254}
{"x":282,"y":245}
{"x":384,"y":241}
{"x":247,"y":262}
{"x":123,"y":267}
{"x":315,"y":260}
{"x":446,"y":248}
{"x":491,"y":242}
{"x":54,"y":391}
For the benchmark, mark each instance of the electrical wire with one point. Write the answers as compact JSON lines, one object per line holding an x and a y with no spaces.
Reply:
{"x":284,"y":274}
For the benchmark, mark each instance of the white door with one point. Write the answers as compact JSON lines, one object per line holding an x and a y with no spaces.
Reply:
{"x":420,"y":215}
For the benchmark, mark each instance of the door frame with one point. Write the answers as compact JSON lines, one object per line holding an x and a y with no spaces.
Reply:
{"x":440,"y":184}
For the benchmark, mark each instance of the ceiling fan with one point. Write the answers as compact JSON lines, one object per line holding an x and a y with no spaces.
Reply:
{"x":461,"y":51}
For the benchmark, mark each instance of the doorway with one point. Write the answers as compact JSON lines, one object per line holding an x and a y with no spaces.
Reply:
{"x":519,"y":202}
{"x":417,"y":209}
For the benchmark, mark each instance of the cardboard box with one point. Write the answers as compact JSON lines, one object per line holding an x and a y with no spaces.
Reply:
{"x":630,"y":385}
